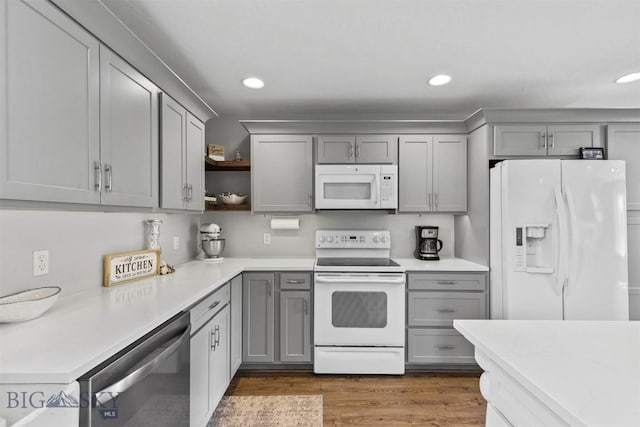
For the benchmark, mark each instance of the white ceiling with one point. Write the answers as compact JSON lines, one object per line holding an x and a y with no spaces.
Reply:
{"x":372,"y":58}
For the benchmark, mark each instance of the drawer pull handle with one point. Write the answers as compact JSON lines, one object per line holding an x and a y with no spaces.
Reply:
{"x":446,"y":310}
{"x":446,"y":282}
{"x":214,"y":305}
{"x":446,"y":347}
{"x":295,"y":282}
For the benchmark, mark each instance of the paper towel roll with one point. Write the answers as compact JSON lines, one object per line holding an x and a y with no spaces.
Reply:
{"x":285,"y":223}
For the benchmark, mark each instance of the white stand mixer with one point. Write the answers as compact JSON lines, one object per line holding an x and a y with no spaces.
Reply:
{"x":211,"y":242}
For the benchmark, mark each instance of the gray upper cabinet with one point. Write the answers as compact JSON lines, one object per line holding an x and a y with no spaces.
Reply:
{"x":433,"y":173}
{"x":128,"y":133}
{"x":295,"y":326}
{"x":544,"y":140}
{"x":182,"y":148}
{"x":258,"y":317}
{"x":623,"y":143}
{"x":336,"y":148}
{"x":282,"y":173}
{"x":49,"y":106}
{"x":371,"y":149}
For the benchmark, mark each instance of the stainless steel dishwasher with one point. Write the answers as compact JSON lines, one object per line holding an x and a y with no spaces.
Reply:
{"x":146,"y":384}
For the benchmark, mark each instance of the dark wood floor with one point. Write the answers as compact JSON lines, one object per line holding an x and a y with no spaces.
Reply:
{"x":424,"y":399}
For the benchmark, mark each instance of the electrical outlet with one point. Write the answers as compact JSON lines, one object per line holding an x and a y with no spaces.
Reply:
{"x":267,"y":238}
{"x":176,"y":242}
{"x":40,"y":263}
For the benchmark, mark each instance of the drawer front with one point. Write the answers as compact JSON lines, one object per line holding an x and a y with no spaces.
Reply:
{"x":440,"y":308}
{"x":448,"y":281}
{"x":438,"y":346}
{"x":210,"y":305}
{"x":300,"y":281}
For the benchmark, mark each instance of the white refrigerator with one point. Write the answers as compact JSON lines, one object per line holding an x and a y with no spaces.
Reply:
{"x":558,"y":247}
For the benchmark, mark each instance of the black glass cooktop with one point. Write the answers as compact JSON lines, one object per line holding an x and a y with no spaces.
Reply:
{"x":356,"y":262}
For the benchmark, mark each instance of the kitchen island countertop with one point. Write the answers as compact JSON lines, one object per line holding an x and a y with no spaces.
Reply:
{"x":546,"y":372}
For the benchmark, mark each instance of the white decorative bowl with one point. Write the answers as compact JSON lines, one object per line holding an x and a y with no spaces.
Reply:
{"x":27,"y":305}
{"x":233,"y":198}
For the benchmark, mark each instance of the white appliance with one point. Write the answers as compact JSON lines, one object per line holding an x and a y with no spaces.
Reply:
{"x":558,"y":240}
{"x":356,"y":187}
{"x":359,"y":304}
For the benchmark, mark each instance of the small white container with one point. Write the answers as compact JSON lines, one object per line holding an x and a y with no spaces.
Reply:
{"x":27,"y":305}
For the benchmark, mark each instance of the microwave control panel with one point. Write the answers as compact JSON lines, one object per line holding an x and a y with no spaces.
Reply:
{"x":388,"y":186}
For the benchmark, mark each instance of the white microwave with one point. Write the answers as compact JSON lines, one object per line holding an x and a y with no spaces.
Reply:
{"x":356,"y":187}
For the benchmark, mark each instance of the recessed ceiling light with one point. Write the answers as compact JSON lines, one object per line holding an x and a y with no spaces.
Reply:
{"x":253,"y":83}
{"x":439,"y":80}
{"x":628,"y":78}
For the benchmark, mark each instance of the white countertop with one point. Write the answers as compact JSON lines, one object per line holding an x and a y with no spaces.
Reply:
{"x":444,"y":264}
{"x":587,"y":372}
{"x":85,"y":329}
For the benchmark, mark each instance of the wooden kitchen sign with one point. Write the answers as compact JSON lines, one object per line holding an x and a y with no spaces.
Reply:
{"x":128,"y":266}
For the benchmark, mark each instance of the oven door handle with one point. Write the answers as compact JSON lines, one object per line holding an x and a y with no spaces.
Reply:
{"x":108,"y":393}
{"x":394,"y":280}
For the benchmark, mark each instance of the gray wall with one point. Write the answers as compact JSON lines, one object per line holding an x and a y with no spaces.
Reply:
{"x":244,"y":232}
{"x":77,"y":242}
{"x":472,"y":229}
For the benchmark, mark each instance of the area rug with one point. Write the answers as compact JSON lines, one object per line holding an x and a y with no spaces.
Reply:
{"x":245,"y":411}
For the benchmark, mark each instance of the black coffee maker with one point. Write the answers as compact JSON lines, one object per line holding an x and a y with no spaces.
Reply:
{"x":427,"y":243}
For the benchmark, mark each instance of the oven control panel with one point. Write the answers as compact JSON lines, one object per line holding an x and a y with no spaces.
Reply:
{"x":376,"y":239}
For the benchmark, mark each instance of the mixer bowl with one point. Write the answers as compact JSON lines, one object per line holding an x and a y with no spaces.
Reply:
{"x":213,"y":247}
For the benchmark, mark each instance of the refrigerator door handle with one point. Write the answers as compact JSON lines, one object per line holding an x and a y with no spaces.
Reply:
{"x":561,"y":277}
{"x":573,"y":230}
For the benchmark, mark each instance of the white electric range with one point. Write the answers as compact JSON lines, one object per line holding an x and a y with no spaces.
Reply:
{"x":359,"y":304}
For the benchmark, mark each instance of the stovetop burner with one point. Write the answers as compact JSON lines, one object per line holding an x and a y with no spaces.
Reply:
{"x":356,"y":262}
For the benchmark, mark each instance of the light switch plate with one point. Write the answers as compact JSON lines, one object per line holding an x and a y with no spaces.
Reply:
{"x":267,"y":238}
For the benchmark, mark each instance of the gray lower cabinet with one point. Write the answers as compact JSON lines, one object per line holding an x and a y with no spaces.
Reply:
{"x":434,"y":300}
{"x":541,"y":140}
{"x":370,"y":149}
{"x":128,"y":134}
{"x":433,"y":173}
{"x":295,"y":326}
{"x":623,"y":143}
{"x":49,"y":105}
{"x":282,"y":173}
{"x":236,"y":324}
{"x":276,"y":318}
{"x":181,"y":151}
{"x":209,"y":355}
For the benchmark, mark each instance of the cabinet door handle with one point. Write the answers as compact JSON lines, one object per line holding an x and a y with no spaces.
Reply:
{"x":551,"y":140}
{"x":429,"y":201}
{"x":97,"y":170}
{"x":269,"y":288}
{"x":446,"y":310}
{"x":350,"y":151}
{"x":213,"y":340}
{"x":309,"y":198}
{"x":544,"y":140}
{"x":184,"y":193}
{"x":446,"y":347}
{"x":306,"y":306}
{"x":357,"y":151}
{"x":190,"y":193}
{"x":108,"y":170}
{"x":217,"y":335}
{"x":446,"y":282}
{"x":435,"y":200}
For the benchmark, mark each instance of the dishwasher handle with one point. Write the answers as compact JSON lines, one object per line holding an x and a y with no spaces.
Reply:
{"x":140,"y":372}
{"x":394,"y":280}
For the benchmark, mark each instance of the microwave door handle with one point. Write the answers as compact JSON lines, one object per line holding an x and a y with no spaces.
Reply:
{"x":375,"y":191}
{"x":107,"y":393}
